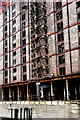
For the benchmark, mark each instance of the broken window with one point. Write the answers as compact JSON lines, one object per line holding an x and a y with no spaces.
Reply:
{"x":14,"y":29}
{"x":62,"y":71}
{"x":61,"y":48}
{"x":13,"y":7}
{"x":13,"y":14}
{"x":61,"y":59}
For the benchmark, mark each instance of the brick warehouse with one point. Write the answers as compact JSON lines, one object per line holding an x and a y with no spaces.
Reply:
{"x":39,"y":50}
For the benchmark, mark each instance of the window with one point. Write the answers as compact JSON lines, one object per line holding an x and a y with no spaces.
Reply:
{"x":60,"y":37}
{"x":61,"y":48}
{"x":13,"y":14}
{"x":24,"y":77}
{"x":13,"y":7}
{"x":24,"y":68}
{"x":78,"y":16}
{"x":23,"y":33}
{"x":5,"y":13}
{"x":5,"y":42}
{"x":14,"y":53}
{"x":59,"y":15}
{"x":6,"y":65}
{"x":13,"y":22}
{"x":6,"y":57}
{"x":23,"y":24}
{"x":5,"y":35}
{"x":14,"y":45}
{"x":60,"y":26}
{"x":78,"y":4}
{"x":6,"y":28}
{"x":24,"y":42}
{"x":14,"y":61}
{"x":62,"y":71}
{"x":46,"y":50}
{"x":14,"y":70}
{"x":24,"y":59}
{"x":14,"y":78}
{"x":23,"y":17}
{"x":6,"y":81}
{"x":24,"y":50}
{"x":6,"y":50}
{"x":14,"y":29}
{"x":58,"y":5}
{"x":14,"y":37}
{"x":24,"y":7}
{"x":61,"y":59}
{"x":6,"y":73}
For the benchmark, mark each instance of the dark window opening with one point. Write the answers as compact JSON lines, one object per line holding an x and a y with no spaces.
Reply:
{"x":6,"y":57}
{"x":59,"y":26}
{"x":13,"y":22}
{"x":59,"y":15}
{"x":5,"y":35}
{"x":24,"y":77}
{"x":24,"y":42}
{"x":5,"y":42}
{"x":6,"y":50}
{"x":24,"y":59}
{"x":61,"y":48}
{"x":23,"y":33}
{"x":14,"y":70}
{"x":14,"y":53}
{"x":78,"y":16}
{"x":6,"y":28}
{"x":60,"y":37}
{"x":24,"y":68}
{"x":46,"y":50}
{"x":14,"y":37}
{"x":62,"y":71}
{"x":61,"y":59}
{"x":78,"y":4}
{"x":14,"y":29}
{"x":58,"y":5}
{"x":6,"y":73}
{"x":24,"y":50}
{"x":23,"y":24}
{"x":14,"y":61}
{"x":23,"y":17}
{"x":6,"y":65}
{"x":6,"y":81}
{"x":13,"y":14}
{"x":14,"y":45}
{"x":14,"y":78}
{"x":14,"y":6}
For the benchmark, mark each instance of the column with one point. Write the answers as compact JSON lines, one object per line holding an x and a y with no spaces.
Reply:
{"x":18,"y":93}
{"x":52,"y":93}
{"x":10,"y":95}
{"x":67,"y":90}
{"x":42,"y":96}
{"x":38,"y":90}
